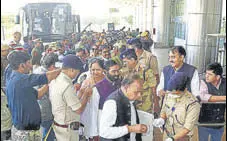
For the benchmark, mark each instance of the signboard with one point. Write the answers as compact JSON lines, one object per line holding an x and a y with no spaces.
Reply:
{"x":111,"y":27}
{"x":113,"y":10}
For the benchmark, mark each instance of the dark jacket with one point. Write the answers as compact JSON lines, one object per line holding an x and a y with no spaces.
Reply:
{"x":214,"y":113}
{"x":168,"y":71}
{"x":123,"y":114}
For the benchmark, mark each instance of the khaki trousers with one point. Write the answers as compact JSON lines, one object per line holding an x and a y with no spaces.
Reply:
{"x":65,"y":134}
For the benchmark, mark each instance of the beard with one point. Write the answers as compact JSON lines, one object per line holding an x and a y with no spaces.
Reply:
{"x":113,"y":78}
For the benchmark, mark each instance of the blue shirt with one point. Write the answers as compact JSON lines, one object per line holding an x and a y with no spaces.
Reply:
{"x":22,"y":99}
{"x":7,"y":73}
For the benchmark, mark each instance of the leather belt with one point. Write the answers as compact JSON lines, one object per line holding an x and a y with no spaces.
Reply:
{"x":73,"y":125}
{"x":59,"y":125}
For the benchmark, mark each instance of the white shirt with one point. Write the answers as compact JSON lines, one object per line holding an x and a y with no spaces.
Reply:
{"x":195,"y":83}
{"x":133,"y":120}
{"x":108,"y":119}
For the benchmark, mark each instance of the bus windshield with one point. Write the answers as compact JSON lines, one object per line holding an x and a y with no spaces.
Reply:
{"x":48,"y":18}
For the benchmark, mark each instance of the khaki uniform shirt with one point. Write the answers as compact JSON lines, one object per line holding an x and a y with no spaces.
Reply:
{"x":36,"y":59}
{"x":124,"y":72}
{"x":64,"y":100}
{"x":4,"y":63}
{"x":146,"y":101}
{"x":149,"y":60}
{"x":183,"y":114}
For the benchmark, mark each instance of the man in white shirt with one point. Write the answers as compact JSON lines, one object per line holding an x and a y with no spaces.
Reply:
{"x":176,"y":58}
{"x":119,"y":120}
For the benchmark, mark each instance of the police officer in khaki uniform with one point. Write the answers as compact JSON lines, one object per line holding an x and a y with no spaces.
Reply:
{"x":66,"y":104}
{"x":4,"y":62}
{"x":36,"y":53}
{"x":133,"y":67}
{"x":180,"y":110}
{"x":145,"y":58}
{"x":147,"y":61}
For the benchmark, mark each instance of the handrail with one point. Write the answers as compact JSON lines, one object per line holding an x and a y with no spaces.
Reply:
{"x":210,"y":124}
{"x":213,"y":102}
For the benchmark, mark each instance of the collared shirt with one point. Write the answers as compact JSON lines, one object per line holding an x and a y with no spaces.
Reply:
{"x":44,"y":102}
{"x":64,"y":100}
{"x":7,"y":74}
{"x":182,"y":112}
{"x":149,"y":82}
{"x":28,"y":47}
{"x":22,"y":98}
{"x":4,"y":63}
{"x":194,"y":83}
{"x":148,"y":59}
{"x":36,"y":59}
{"x":204,"y":94}
{"x":108,"y":119}
{"x":14,"y":44}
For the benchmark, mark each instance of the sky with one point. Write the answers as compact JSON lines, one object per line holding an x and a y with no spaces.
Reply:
{"x":82,"y":7}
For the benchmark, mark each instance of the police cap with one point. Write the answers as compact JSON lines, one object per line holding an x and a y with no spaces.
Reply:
{"x":72,"y":61}
{"x":177,"y":82}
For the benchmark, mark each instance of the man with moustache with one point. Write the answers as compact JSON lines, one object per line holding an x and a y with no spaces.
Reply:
{"x":110,"y":83}
{"x":177,"y":64}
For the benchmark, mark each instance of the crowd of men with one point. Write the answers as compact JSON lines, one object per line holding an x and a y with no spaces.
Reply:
{"x":86,"y":88}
